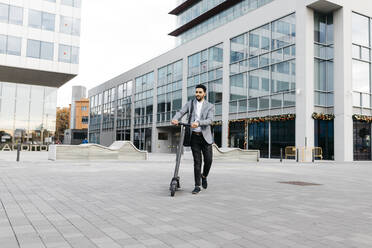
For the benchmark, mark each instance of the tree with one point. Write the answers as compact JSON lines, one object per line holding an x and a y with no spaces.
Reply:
{"x":62,"y":122}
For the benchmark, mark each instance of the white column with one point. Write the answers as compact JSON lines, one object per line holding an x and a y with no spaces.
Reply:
{"x":225,"y":93}
{"x":154,"y":130}
{"x":304,"y":78}
{"x":343,"y":123}
{"x":184,"y":80}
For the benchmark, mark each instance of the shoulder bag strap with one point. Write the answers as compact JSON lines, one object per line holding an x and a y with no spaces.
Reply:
{"x":191,"y":110}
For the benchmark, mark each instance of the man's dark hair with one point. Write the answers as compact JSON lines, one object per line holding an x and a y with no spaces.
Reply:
{"x":200,"y":86}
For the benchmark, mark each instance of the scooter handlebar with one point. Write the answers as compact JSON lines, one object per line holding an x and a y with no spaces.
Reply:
{"x":184,"y":124}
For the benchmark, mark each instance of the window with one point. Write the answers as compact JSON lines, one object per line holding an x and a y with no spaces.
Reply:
{"x":84,"y":108}
{"x":16,"y":15}
{"x":4,"y":12}
{"x":42,"y":20}
{"x":70,"y":25}
{"x":11,"y":14}
{"x":14,"y":45}
{"x":40,"y":49}
{"x":72,"y":3}
{"x":360,"y":29}
{"x":3,"y":39}
{"x":68,"y":54}
{"x":84,"y":120}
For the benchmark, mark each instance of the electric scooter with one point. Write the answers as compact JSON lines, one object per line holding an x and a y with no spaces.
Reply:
{"x":175,"y":183}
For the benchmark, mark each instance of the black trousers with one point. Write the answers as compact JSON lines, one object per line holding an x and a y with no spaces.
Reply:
{"x":199,"y":146}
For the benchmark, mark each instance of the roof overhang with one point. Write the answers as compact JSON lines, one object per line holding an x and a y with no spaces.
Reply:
{"x":210,"y":13}
{"x":184,"y":6}
{"x":324,"y":6}
{"x":34,"y":77}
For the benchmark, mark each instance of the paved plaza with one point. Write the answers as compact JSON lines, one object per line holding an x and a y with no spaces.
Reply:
{"x":112,"y":204}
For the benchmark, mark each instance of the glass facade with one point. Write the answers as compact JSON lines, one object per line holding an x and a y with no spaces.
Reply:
{"x":169,"y":91}
{"x":324,"y":137}
{"x":361,"y":64}
{"x":124,"y":111}
{"x":362,"y":140}
{"x":95,"y":118}
{"x":205,"y":68}
{"x":218,"y":20}
{"x":27,"y":114}
{"x":258,"y":138}
{"x":323,"y":61}
{"x":197,"y":10}
{"x":263,"y":67}
{"x":143,"y":99}
{"x":108,"y":110}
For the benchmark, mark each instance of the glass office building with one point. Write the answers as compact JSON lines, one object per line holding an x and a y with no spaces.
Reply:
{"x":39,"y":52}
{"x":280,"y":74}
{"x":27,"y":113}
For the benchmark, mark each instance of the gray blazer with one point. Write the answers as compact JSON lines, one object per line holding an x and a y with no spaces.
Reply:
{"x":206,"y":117}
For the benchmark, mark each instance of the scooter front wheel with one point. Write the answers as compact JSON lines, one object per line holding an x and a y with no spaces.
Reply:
{"x":173,"y":187}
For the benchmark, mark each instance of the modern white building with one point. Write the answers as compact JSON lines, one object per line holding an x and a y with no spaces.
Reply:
{"x":39,"y":52}
{"x":280,"y":73}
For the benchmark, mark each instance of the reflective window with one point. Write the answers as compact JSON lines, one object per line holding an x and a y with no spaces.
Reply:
{"x":16,"y":15}
{"x":361,"y":48}
{"x":14,"y":45}
{"x":3,"y":41}
{"x":34,"y":18}
{"x":218,"y":20}
{"x":68,"y":54}
{"x":47,"y":50}
{"x":323,"y":61}
{"x":205,"y":67}
{"x":33,"y":49}
{"x":4,"y":12}
{"x":361,"y":76}
{"x":169,"y":91}
{"x":42,"y":20}
{"x":11,"y":14}
{"x":40,"y":49}
{"x":74,"y":55}
{"x":70,"y":25}
{"x":73,"y":3}
{"x":263,"y":64}
{"x":48,"y":21}
{"x":360,"y":29}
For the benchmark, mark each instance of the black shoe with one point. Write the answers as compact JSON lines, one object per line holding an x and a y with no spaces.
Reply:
{"x":196,"y":190}
{"x":204,"y":182}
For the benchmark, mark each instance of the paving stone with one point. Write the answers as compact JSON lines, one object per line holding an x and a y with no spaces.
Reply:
{"x":112,"y":204}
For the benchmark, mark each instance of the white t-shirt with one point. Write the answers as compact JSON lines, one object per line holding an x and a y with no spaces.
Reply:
{"x":199,"y":106}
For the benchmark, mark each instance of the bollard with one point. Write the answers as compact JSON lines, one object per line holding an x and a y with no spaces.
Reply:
{"x":313,"y":155}
{"x":281,"y":155}
{"x":18,"y":151}
{"x":297,"y":153}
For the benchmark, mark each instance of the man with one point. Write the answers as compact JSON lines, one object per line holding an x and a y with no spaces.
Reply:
{"x":201,"y":136}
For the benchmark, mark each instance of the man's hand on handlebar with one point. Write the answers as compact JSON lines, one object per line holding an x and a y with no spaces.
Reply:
{"x":195,"y":124}
{"x":174,"y":122}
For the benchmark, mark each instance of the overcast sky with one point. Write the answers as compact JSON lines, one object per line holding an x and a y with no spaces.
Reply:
{"x":117,"y":36}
